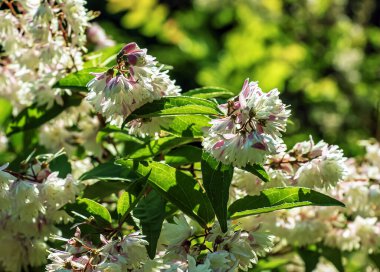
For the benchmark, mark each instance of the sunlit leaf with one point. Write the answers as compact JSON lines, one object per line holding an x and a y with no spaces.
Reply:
{"x":279,"y":198}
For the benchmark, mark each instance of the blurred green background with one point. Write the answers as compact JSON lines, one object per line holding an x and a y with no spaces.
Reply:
{"x":323,"y":55}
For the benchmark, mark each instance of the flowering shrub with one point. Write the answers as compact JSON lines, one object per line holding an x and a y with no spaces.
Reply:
{"x":155,"y":179}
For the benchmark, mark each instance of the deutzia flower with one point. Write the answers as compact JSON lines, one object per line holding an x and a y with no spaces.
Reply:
{"x":138,"y":81}
{"x":252,"y":129}
{"x":325,"y":166}
{"x":29,"y":211}
{"x":127,"y":253}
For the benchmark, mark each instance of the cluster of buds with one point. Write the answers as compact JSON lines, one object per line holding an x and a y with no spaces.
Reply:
{"x":124,"y":254}
{"x":188,"y":248}
{"x":42,"y":41}
{"x":31,"y":204}
{"x":251,"y":129}
{"x":137,"y":80}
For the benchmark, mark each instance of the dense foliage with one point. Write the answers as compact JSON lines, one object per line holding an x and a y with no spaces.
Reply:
{"x":109,"y":164}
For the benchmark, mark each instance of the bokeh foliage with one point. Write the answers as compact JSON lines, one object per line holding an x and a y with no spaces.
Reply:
{"x":323,"y":55}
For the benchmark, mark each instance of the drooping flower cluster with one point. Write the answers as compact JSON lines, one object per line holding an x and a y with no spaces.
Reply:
{"x":316,"y":166}
{"x":251,"y":129}
{"x":124,"y":254}
{"x":31,"y":205}
{"x":354,"y":227}
{"x":138,"y":80}
{"x":42,"y":41}
{"x":188,"y":249}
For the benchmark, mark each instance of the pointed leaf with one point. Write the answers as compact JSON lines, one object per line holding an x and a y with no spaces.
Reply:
{"x":279,"y":198}
{"x":188,"y":125}
{"x":102,"y":57}
{"x":62,"y":165}
{"x":177,"y":187}
{"x":107,"y":171}
{"x":161,"y":145}
{"x":310,"y":258}
{"x":258,"y":170}
{"x":334,"y":255}
{"x":77,"y":81}
{"x":216,"y":181}
{"x":210,"y":92}
{"x":175,"y":105}
{"x":104,"y":188}
{"x":151,"y":212}
{"x":96,"y":209}
{"x":129,"y":199}
{"x":186,"y":154}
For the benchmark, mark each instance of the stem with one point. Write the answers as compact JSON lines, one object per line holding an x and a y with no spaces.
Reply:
{"x":10,"y":6}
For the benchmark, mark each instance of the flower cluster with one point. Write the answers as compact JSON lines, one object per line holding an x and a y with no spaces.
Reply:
{"x":188,"y":248}
{"x":351,"y":228}
{"x":124,"y":254}
{"x":72,"y":128}
{"x":42,"y":41}
{"x":316,"y":166}
{"x":31,"y":205}
{"x":138,"y":80}
{"x":251,"y":129}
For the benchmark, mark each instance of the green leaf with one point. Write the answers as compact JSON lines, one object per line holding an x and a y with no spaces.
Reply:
{"x":375,"y":258}
{"x":188,"y":125}
{"x":62,"y":165}
{"x":5,"y":111}
{"x":258,"y":170}
{"x":34,"y":116}
{"x":334,"y":255}
{"x":107,"y":171}
{"x":151,"y":212}
{"x":186,"y":154}
{"x":177,"y":187}
{"x":279,"y":198}
{"x":96,"y":209}
{"x":269,"y":264}
{"x":125,"y":203}
{"x":216,"y":181}
{"x":210,"y":92}
{"x":128,"y":200}
{"x":310,"y":258}
{"x":102,"y":57}
{"x":103,"y":188}
{"x":77,"y":81}
{"x":175,"y":105}
{"x":161,"y":145}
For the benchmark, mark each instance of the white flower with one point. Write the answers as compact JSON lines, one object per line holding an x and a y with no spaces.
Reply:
{"x":148,"y":126}
{"x":251,"y":130}
{"x":174,"y":234}
{"x":137,"y":82}
{"x":193,"y":267}
{"x":219,"y":260}
{"x":325,"y":167}
{"x":133,"y":246}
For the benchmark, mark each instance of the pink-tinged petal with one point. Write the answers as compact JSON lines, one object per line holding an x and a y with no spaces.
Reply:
{"x":98,"y":75}
{"x":223,"y":107}
{"x":218,"y":144}
{"x":259,"y":128}
{"x":272,"y":117}
{"x":229,"y":136}
{"x":130,"y":47}
{"x":260,"y":146}
{"x":242,"y":101}
{"x":245,"y":90}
